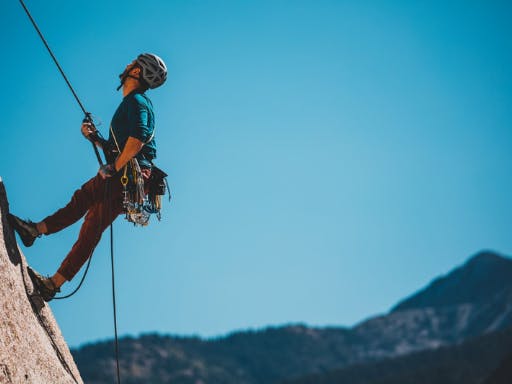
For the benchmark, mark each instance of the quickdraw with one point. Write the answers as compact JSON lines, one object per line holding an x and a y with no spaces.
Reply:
{"x":137,"y":204}
{"x":135,"y":200}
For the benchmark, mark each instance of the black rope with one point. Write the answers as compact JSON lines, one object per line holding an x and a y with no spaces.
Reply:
{"x":87,"y":114}
{"x":116,"y":342}
{"x":107,"y":196}
{"x":87,"y":118}
{"x":53,"y":56}
{"x":79,"y":284}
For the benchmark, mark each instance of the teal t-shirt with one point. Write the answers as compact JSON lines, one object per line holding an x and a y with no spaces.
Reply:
{"x":134,"y":117}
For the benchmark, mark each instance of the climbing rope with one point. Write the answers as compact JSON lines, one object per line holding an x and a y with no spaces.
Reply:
{"x":87,"y":118}
{"x":113,"y":282}
{"x":87,"y":115}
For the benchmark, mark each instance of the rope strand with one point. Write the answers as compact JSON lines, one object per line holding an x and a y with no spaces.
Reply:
{"x":53,"y":56}
{"x":113,"y":282}
{"x":89,"y":119}
{"x":87,"y":114}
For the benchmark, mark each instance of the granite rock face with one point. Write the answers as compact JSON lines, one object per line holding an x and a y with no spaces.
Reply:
{"x":32,"y":349}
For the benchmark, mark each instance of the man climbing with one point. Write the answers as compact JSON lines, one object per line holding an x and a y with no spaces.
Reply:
{"x":129,"y":149}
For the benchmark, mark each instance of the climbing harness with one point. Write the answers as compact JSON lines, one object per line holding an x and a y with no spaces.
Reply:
{"x":139,"y":205}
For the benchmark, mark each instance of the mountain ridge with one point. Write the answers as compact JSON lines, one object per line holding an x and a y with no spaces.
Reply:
{"x":478,"y":360}
{"x":451,"y":289}
{"x":274,"y":354}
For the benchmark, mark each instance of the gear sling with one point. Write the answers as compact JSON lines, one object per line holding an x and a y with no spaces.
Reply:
{"x":140,"y":202}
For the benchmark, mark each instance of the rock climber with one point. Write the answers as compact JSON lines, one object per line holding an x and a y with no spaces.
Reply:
{"x":130,"y":148}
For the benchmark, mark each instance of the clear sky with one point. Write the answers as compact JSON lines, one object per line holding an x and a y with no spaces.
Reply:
{"x":326,"y":158}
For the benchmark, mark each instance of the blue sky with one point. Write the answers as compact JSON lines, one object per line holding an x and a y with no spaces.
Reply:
{"x":327,"y":158}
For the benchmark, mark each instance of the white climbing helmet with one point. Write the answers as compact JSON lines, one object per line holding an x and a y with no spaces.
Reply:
{"x":154,"y":71}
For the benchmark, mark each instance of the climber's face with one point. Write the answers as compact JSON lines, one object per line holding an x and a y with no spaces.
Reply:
{"x":128,"y":69}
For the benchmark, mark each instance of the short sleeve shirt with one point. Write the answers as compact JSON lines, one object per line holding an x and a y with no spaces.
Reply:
{"x":134,"y":117}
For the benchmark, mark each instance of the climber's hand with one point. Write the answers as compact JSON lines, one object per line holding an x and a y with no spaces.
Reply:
{"x":107,"y":170}
{"x":88,"y":130}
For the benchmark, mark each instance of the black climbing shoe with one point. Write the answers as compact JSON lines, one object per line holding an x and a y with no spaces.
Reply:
{"x":43,"y":285}
{"x":26,"y":229}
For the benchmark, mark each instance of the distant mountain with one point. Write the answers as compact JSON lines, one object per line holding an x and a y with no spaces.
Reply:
{"x":468,"y":363}
{"x":263,"y":356}
{"x":485,"y":275}
{"x":502,"y":374}
{"x":473,"y":300}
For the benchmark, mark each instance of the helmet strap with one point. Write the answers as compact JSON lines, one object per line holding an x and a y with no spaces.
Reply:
{"x":123,"y":79}
{"x":126,"y":75}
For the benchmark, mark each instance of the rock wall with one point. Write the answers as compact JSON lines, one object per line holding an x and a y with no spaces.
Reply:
{"x":32,"y":349}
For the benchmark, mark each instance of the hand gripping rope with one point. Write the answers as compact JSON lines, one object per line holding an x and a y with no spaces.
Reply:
{"x":87,"y":119}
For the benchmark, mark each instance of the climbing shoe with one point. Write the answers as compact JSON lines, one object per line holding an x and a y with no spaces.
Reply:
{"x":43,"y":285}
{"x":26,"y":229}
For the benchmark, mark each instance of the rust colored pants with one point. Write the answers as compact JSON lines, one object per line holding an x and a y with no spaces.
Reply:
{"x":101,"y":201}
